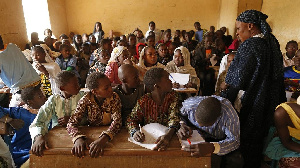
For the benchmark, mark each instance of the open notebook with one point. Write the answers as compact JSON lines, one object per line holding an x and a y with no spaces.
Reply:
{"x":152,"y":131}
{"x":195,"y":139}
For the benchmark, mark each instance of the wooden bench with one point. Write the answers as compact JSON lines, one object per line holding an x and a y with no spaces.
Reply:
{"x":119,"y":153}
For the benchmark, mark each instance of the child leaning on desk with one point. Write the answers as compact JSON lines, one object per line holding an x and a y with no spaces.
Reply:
{"x":101,"y":106}
{"x":217,"y":122}
{"x":161,"y":105}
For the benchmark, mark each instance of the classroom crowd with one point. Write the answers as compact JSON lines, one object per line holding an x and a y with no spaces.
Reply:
{"x":238,"y":107}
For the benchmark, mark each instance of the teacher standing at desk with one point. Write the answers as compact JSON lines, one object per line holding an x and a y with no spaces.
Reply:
{"x":256,"y":69}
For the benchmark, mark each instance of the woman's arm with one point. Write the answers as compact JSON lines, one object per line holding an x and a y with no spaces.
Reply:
{"x":282,"y":121}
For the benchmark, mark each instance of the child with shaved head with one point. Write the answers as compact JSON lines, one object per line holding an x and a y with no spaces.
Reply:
{"x":130,"y":90}
{"x":218,"y":123}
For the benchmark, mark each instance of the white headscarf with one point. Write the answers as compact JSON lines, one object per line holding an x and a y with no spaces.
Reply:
{"x":186,"y":68}
{"x":117,"y":51}
{"x":142,"y":61}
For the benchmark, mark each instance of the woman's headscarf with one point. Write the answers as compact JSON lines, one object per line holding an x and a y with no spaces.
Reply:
{"x":16,"y":72}
{"x":258,"y":18}
{"x":117,"y":51}
{"x":186,"y":68}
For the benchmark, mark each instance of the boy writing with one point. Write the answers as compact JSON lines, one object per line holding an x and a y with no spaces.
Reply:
{"x":217,"y":122}
{"x":57,"y":108}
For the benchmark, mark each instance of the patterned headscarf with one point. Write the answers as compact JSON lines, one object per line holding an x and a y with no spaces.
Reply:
{"x":117,"y":51}
{"x":258,"y":18}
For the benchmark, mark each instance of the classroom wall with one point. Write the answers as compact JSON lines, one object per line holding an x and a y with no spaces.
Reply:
{"x":228,"y":14}
{"x":58,"y":17}
{"x":124,"y":16}
{"x":283,"y":19}
{"x":13,"y":27}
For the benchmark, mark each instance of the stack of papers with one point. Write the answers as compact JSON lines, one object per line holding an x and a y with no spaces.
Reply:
{"x":180,"y":78}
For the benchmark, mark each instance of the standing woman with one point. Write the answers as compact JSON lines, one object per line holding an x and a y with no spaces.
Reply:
{"x":257,"y":70}
{"x":98,"y":32}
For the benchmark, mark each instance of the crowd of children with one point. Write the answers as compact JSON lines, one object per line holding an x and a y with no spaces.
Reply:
{"x":128,"y":84}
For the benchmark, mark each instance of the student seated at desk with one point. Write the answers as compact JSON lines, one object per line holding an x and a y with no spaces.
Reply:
{"x":285,"y":146}
{"x":130,"y":90}
{"x":181,"y":64}
{"x":161,"y":105}
{"x":101,"y":106}
{"x":292,"y":74}
{"x":21,"y":140}
{"x":58,"y":109}
{"x":217,"y":122}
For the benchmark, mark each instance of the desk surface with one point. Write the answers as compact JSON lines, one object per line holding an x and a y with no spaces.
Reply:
{"x":119,"y":152}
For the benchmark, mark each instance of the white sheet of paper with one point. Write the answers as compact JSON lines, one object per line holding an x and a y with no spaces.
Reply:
{"x":212,"y":60}
{"x":180,"y":78}
{"x":151,"y":131}
{"x":195,"y":139}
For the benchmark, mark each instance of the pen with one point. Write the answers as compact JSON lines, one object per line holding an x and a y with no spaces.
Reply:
{"x":140,"y":128}
{"x":189,"y":143}
{"x":172,"y":78}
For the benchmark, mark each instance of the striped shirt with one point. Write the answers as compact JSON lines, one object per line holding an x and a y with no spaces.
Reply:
{"x":226,"y":128}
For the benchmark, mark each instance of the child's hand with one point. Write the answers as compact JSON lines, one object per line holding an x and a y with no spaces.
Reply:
{"x":78,"y":148}
{"x":200,"y":149}
{"x":175,"y":85}
{"x":184,"y":132}
{"x":188,"y":85}
{"x":138,"y":136}
{"x":39,"y":145}
{"x":162,"y":142}
{"x":16,"y":123}
{"x":63,"y":121}
{"x":41,"y":68}
{"x":97,"y":147}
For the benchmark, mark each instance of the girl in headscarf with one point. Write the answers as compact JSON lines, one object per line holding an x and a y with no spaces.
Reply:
{"x":257,"y":70}
{"x":119,"y":56}
{"x":46,"y":68}
{"x":181,"y":64}
{"x":148,"y":60}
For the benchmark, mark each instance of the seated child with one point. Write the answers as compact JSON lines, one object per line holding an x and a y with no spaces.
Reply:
{"x":150,"y":40}
{"x":172,"y":48}
{"x":130,"y":90}
{"x":139,"y":48}
{"x":67,"y":61}
{"x":101,"y":63}
{"x":167,"y":39}
{"x":189,"y":44}
{"x":288,"y":57}
{"x":161,"y":105}
{"x":83,"y":63}
{"x":21,"y":140}
{"x":222,"y":76}
{"x":292,"y":74}
{"x":163,"y":55}
{"x":286,"y":143}
{"x":181,"y":64}
{"x":217,"y":122}
{"x":118,"y":57}
{"x":148,"y":60}
{"x":34,"y":40}
{"x":131,"y":45}
{"x":58,"y":109}
{"x":46,"y":68}
{"x":101,"y":106}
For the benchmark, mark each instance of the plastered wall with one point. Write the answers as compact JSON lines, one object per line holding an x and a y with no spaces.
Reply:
{"x":228,"y":14}
{"x":125,"y":16}
{"x":13,"y":27}
{"x":283,"y":19}
{"x":58,"y":17}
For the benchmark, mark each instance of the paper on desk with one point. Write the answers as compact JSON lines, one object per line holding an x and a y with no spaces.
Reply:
{"x":151,"y":131}
{"x":180,"y":78}
{"x":213,"y":61}
{"x":195,"y":139}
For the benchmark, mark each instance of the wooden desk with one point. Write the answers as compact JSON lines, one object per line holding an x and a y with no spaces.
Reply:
{"x":186,"y":90}
{"x":119,"y":153}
